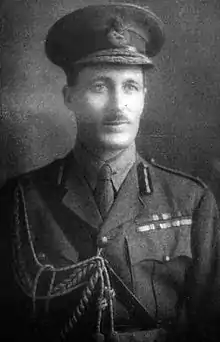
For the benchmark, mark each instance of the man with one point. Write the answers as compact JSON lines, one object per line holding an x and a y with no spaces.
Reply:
{"x":105,"y":245}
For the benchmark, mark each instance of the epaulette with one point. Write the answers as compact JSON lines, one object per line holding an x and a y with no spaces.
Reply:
{"x":49,"y":173}
{"x":45,"y":173}
{"x":178,"y":173}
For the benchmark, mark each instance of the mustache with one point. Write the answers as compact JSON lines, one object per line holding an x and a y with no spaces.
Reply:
{"x":116,"y":117}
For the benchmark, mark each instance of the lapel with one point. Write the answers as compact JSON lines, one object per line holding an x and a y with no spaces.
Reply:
{"x":127,"y":204}
{"x":79,"y":197}
{"x":80,"y":200}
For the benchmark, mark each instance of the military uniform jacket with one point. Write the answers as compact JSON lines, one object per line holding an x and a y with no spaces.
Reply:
{"x":160,"y":242}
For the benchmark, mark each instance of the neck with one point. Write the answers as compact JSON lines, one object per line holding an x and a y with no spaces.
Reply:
{"x":101,"y":153}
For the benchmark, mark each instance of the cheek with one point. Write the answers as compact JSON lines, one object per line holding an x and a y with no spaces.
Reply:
{"x":90,"y":109}
{"x":135,"y":105}
{"x":95,"y":103}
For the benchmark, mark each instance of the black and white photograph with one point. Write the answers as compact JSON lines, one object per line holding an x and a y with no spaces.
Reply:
{"x":110,"y":170}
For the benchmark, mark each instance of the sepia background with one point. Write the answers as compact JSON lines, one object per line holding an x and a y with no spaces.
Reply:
{"x":181,"y":126}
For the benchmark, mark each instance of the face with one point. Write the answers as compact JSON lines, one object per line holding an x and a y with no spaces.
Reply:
{"x":108,"y":102}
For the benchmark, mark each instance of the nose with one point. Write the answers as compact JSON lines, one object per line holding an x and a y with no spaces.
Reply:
{"x":117,"y":100}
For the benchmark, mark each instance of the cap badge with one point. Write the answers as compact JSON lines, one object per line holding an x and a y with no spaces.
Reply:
{"x":117,"y":33}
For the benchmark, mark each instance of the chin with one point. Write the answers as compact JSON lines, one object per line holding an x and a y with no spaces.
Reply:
{"x":116,"y":143}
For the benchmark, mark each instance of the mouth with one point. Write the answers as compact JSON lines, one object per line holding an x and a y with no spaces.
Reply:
{"x":117,"y":126}
{"x":116,"y":123}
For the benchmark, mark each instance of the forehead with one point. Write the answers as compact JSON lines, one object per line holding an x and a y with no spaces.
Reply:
{"x":112,"y":72}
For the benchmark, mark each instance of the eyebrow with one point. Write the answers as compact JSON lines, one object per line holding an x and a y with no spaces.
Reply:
{"x":109,"y":79}
{"x":100,"y":78}
{"x":131,"y":80}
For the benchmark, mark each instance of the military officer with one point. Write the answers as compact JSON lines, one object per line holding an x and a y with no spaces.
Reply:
{"x":104,"y":245}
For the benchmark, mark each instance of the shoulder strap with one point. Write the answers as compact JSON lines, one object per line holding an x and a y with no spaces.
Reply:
{"x":178,"y":173}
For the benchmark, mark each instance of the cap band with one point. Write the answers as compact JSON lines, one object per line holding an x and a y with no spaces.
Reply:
{"x":127,"y":55}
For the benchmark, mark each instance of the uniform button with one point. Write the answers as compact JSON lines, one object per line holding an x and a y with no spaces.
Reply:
{"x":167,"y":258}
{"x":102,"y":241}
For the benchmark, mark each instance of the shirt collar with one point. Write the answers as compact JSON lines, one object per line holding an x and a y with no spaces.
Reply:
{"x":91,"y":164}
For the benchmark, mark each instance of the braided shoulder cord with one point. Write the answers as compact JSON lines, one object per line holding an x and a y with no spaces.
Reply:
{"x":50,"y":290}
{"x":100,"y":299}
{"x":22,"y":277}
{"x":110,"y":299}
{"x":28,"y":227}
{"x":106,"y":293}
{"x":83,"y":304}
{"x":36,"y":280}
{"x":79,"y":272}
{"x":75,"y":279}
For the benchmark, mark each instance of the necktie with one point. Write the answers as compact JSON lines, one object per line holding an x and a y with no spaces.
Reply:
{"x":104,"y":192}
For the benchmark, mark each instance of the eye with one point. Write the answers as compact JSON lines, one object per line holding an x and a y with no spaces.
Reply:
{"x":98,"y":87}
{"x":130,"y":87}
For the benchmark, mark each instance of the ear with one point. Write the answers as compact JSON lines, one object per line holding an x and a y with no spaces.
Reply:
{"x":68,"y":97}
{"x":145,"y":101}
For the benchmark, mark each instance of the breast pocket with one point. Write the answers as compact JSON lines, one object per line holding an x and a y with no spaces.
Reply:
{"x":149,"y":241}
{"x":159,"y":261}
